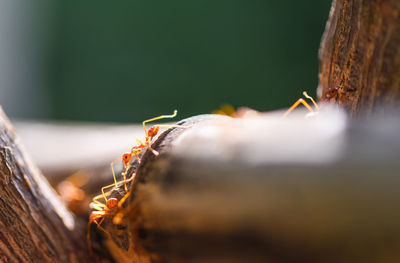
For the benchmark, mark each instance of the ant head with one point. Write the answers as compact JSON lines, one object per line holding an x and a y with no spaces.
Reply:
{"x":153,"y":131}
{"x":126,"y":158}
{"x":332,"y":93}
{"x":111,"y":203}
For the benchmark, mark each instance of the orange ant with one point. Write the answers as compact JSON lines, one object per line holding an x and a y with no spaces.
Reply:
{"x":102,"y":210}
{"x":302,"y":101}
{"x":332,"y":94}
{"x":150,"y":134}
{"x":125,"y":160}
{"x":98,"y":216}
{"x":98,"y":205}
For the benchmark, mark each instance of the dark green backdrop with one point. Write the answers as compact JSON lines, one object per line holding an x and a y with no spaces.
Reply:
{"x":129,"y":60}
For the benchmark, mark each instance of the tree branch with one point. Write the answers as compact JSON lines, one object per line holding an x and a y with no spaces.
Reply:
{"x":360,"y":55}
{"x":34,"y":225}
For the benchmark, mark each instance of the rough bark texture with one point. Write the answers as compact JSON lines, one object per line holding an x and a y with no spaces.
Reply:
{"x":265,"y":190}
{"x":360,"y":55}
{"x":34,"y":225}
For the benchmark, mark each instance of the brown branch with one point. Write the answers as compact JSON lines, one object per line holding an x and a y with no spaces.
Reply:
{"x":34,"y":225}
{"x":360,"y":55}
{"x":264,"y":190}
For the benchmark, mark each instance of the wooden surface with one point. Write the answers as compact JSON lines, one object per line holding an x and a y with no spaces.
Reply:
{"x":360,"y":55}
{"x":266,"y":190}
{"x":34,"y":224}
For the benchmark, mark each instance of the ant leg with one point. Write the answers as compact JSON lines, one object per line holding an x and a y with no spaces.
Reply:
{"x":101,"y":228}
{"x":127,"y":181}
{"x":137,"y":158}
{"x":296,"y":104}
{"x":99,"y":223}
{"x":148,"y":147}
{"x":96,"y":198}
{"x":98,"y":206}
{"x":124,"y":174}
{"x":312,"y":100}
{"x":112,"y":169}
{"x":108,"y":186}
{"x":158,"y":118}
{"x":123,"y":199}
{"x":126,"y":170}
{"x":153,"y":151}
{"x":104,"y":194}
{"x":131,"y":178}
{"x":128,"y":165}
{"x":118,"y":217}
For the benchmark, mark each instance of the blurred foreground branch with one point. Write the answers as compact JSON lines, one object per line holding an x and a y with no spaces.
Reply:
{"x":265,"y":190}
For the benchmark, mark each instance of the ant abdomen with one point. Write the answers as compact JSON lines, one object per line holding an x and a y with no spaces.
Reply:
{"x":112,"y":202}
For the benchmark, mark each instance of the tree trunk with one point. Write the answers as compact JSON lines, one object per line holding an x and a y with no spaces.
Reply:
{"x":360,"y":55}
{"x":34,"y":225}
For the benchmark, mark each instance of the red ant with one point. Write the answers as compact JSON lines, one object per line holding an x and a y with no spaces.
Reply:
{"x":302,"y":101}
{"x":104,"y":209}
{"x":150,"y":134}
{"x":332,"y":94}
{"x":101,"y":211}
{"x":136,"y":150}
{"x":100,"y":206}
{"x":126,"y":158}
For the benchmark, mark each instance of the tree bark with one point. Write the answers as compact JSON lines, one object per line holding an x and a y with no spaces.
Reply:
{"x":34,"y":225}
{"x":360,"y":55}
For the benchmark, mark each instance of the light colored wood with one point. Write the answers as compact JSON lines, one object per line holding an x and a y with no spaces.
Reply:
{"x":268,"y":189}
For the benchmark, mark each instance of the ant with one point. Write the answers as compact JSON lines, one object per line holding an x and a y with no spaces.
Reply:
{"x":136,"y":150}
{"x":332,"y":94}
{"x":125,"y":160}
{"x":100,"y":206}
{"x":302,"y":101}
{"x":98,"y":216}
{"x":102,"y":210}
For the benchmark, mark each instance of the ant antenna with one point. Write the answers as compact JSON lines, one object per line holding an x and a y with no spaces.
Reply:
{"x":157,"y":118}
{"x":302,"y":101}
{"x":310,"y":98}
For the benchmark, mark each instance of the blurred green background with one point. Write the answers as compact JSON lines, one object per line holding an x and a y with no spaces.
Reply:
{"x":131,"y":60}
